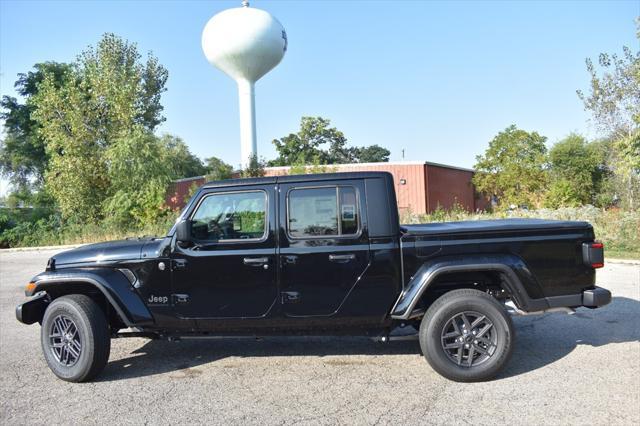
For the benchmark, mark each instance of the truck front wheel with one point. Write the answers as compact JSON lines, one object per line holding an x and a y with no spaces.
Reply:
{"x":466,"y":335}
{"x":75,"y":338}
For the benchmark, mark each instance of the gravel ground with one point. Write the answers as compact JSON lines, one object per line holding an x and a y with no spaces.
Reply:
{"x":580,"y":369}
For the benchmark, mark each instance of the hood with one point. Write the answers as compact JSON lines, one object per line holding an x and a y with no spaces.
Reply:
{"x":102,"y":253}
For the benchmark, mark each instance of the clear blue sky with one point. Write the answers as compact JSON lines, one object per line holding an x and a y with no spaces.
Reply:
{"x":437,"y":79}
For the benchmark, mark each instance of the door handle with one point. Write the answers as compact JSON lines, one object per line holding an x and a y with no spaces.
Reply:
{"x":289,"y":259}
{"x":256,"y":261}
{"x":341,"y":257}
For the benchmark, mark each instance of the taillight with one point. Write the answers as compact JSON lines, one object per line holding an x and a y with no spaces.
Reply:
{"x":593,"y":254}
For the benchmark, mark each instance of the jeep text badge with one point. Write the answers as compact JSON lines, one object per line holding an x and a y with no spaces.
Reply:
{"x":158,"y":300}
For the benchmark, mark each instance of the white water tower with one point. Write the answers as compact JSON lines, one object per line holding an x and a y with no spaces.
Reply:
{"x":245,"y":43}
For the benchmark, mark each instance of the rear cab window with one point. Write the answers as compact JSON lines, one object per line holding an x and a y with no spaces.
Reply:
{"x":321,"y":212}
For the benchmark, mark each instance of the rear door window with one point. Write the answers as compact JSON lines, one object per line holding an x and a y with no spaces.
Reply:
{"x":323,"y":212}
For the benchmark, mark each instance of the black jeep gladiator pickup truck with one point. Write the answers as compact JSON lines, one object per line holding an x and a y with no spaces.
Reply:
{"x":310,"y":255}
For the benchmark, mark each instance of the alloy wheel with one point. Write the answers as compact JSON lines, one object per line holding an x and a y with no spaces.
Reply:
{"x":469,"y":339}
{"x":64,"y":340}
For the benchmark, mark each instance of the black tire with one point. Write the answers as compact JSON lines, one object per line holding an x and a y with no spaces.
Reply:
{"x":454,"y":353}
{"x":86,"y":333}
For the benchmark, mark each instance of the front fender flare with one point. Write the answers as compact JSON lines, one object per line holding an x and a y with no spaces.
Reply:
{"x":511,"y":267}
{"x":110,"y":282}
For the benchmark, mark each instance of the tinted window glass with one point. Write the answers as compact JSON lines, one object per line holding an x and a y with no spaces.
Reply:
{"x":348,"y":210}
{"x":315,"y":212}
{"x":232,"y":216}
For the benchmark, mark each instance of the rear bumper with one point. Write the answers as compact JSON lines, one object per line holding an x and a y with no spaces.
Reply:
{"x":596,"y":297}
{"x":591,"y":298}
{"x":33,"y":309}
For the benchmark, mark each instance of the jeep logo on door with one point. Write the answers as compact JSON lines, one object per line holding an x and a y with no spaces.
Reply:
{"x":158,"y":300}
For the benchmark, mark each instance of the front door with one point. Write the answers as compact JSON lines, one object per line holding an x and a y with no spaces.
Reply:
{"x":324,"y":246}
{"x":230,"y":271}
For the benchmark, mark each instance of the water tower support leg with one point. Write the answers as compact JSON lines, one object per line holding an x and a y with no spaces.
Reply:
{"x":248,"y":142}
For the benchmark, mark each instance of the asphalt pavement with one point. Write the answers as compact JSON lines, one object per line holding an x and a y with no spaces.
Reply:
{"x":579,"y":369}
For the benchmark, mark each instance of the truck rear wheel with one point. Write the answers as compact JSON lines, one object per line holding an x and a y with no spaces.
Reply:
{"x":75,"y":338}
{"x":466,"y":336}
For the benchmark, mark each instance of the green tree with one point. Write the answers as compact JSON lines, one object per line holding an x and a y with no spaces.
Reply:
{"x":576,"y":172}
{"x":216,"y":169}
{"x":317,"y":143}
{"x":304,"y":168}
{"x":513,"y":168}
{"x":185,"y":164}
{"x":23,"y":158}
{"x":141,"y":166}
{"x":255,"y":168}
{"x":614,"y":96}
{"x":109,"y":95}
{"x":613,"y":99}
{"x":371,"y":154}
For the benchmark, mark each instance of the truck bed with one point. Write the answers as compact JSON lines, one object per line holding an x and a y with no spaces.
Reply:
{"x":498,"y":226}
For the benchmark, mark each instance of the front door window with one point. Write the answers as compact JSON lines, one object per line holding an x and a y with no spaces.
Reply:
{"x":231,"y":216}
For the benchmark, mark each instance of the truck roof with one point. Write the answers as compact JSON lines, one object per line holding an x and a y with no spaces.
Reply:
{"x":296,"y":178}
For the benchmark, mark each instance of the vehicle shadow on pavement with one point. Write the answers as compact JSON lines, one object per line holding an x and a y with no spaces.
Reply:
{"x":159,"y":356}
{"x":540,"y":341}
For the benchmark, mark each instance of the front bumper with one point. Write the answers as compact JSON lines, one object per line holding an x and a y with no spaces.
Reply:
{"x":33,"y":309}
{"x":596,"y":297}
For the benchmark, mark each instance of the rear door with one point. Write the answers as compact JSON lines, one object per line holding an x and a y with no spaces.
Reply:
{"x":324,"y":246}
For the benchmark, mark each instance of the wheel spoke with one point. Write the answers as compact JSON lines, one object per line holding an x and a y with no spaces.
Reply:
{"x":465,"y":320}
{"x":453,"y":345}
{"x":485,"y":341}
{"x":477,"y":322}
{"x":72,"y":350}
{"x":59,"y":327}
{"x":459,"y":357}
{"x":68,"y":326}
{"x":484,"y":329}
{"x":456,"y":327}
{"x":480,"y":349}
{"x":452,"y":334}
{"x":470,"y":357}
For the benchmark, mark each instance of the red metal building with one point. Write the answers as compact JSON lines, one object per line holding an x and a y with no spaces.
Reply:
{"x":420,"y":186}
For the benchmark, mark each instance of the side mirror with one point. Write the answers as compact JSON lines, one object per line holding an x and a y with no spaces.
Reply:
{"x":183,"y":231}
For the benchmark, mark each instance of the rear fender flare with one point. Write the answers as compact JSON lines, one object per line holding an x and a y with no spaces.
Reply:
{"x":506,"y":265}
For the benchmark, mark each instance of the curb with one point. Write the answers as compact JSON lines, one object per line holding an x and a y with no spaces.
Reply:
{"x":624,"y":261}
